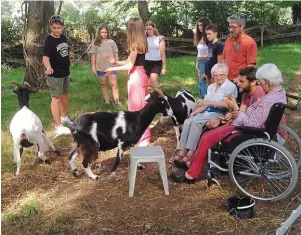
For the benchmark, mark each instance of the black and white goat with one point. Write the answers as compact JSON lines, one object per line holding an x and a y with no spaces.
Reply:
{"x":182,"y":106}
{"x":26,"y":128}
{"x":101,"y":131}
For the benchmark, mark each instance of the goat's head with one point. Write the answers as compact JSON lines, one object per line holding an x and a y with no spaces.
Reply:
{"x":157,"y":97}
{"x":22,"y":90}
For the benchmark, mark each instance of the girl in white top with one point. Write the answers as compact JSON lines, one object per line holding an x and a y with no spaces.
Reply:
{"x":102,"y":47}
{"x":155,"y":58}
{"x":200,"y":41}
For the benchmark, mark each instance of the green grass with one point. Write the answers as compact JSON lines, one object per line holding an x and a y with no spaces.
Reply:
{"x":285,"y":56}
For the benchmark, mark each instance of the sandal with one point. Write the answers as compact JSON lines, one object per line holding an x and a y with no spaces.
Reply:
{"x":177,"y":158}
{"x":185,"y":159}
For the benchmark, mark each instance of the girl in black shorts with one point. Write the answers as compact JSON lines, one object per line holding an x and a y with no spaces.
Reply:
{"x":155,"y":58}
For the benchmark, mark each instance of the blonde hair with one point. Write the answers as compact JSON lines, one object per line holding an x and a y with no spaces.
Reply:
{"x":150,"y":23}
{"x":136,"y":40}
{"x":98,"y":38}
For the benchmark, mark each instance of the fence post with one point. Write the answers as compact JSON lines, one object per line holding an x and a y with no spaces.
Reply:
{"x":261,"y":35}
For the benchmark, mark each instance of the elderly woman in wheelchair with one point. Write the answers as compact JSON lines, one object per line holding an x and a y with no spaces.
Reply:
{"x":259,"y":166}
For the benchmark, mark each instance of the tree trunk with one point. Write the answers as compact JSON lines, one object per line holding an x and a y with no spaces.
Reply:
{"x":60,"y":7}
{"x":37,"y":27}
{"x":143,"y":11}
{"x":296,"y":9}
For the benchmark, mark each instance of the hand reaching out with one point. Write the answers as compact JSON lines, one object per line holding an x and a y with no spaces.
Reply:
{"x":211,"y":124}
{"x":110,"y":58}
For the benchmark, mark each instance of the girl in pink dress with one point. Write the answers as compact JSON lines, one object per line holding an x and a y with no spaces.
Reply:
{"x":138,"y":80}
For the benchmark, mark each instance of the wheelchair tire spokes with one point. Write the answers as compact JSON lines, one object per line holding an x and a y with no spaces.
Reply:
{"x":263,"y":170}
{"x":292,"y":143}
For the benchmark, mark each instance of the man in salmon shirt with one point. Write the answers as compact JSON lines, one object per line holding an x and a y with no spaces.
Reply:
{"x":240,"y":49}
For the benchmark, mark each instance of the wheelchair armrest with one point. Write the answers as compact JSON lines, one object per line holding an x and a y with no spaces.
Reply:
{"x":243,"y":130}
{"x":249,"y":130}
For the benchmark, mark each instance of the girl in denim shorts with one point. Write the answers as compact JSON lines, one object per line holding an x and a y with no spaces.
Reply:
{"x":102,"y":47}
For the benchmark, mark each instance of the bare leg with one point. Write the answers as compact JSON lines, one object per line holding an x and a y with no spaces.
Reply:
{"x":55,"y":109}
{"x":64,"y":104}
{"x":114,"y":84}
{"x":153,"y":79}
{"x":104,"y":88}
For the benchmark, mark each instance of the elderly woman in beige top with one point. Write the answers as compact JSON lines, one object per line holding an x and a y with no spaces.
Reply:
{"x":104,"y":46}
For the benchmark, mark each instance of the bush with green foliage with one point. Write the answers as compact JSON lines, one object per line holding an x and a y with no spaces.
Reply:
{"x":10,"y":32}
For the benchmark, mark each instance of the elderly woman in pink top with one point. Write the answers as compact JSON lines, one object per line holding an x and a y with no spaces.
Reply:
{"x":270,"y":79}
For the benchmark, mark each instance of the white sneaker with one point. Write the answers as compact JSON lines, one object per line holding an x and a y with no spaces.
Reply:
{"x":66,"y":120}
{"x":61,"y":130}
{"x":143,"y":143}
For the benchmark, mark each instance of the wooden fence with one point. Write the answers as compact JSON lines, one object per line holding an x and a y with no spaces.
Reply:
{"x":259,"y":33}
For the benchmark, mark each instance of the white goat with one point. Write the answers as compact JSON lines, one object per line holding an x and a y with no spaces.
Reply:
{"x":27,"y":129}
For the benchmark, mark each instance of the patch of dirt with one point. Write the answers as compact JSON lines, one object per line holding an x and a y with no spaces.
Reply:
{"x":68,"y":205}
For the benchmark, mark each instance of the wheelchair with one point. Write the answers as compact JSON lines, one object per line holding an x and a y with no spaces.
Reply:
{"x":258,"y":165}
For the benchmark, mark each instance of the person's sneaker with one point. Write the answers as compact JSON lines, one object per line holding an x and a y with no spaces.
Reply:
{"x":61,"y":130}
{"x":143,"y":143}
{"x":66,"y":120}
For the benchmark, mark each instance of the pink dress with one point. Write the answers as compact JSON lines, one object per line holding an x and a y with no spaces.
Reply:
{"x":137,"y":83}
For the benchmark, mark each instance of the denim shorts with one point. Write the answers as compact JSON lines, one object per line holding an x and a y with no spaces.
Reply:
{"x":101,"y":73}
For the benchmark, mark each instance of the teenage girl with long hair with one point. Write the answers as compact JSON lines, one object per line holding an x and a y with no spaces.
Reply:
{"x":138,"y":80}
{"x":200,"y":41}
{"x":155,"y":58}
{"x":104,"y":45}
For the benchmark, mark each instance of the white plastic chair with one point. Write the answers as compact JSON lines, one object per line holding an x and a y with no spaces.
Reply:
{"x":146,"y":154}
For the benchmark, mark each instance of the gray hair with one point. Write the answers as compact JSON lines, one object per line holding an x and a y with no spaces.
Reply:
{"x":238,"y":19}
{"x":217,"y":66}
{"x":271,"y":73}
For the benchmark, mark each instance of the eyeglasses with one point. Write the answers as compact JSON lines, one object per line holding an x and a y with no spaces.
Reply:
{"x":263,"y":82}
{"x":219,"y":75}
{"x":234,"y":27}
{"x":56,"y":18}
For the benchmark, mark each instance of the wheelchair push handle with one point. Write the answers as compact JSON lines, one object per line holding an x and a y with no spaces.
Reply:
{"x":295,"y":106}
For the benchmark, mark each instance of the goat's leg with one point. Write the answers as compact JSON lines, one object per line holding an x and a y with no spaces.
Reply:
{"x":177,"y":130}
{"x":87,"y":168}
{"x":17,"y":157}
{"x":42,"y":156}
{"x":89,"y":151}
{"x":49,"y":143}
{"x":117,"y":160}
{"x":72,"y":161}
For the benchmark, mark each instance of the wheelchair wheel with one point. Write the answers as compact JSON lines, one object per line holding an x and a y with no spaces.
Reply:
{"x":292,"y":144}
{"x":263,"y":170}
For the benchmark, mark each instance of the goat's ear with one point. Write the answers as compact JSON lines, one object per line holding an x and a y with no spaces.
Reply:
{"x":147,"y":97}
{"x":15,"y":91}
